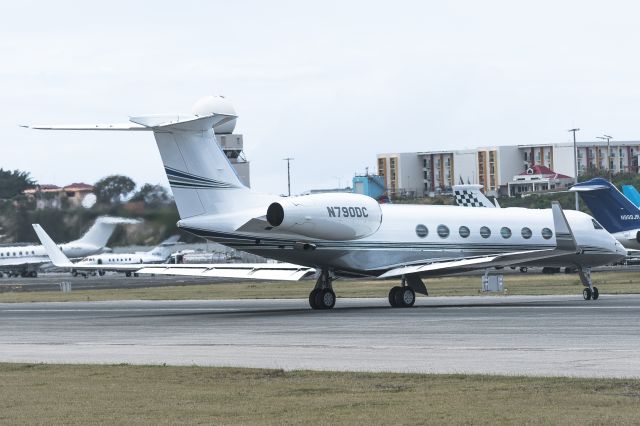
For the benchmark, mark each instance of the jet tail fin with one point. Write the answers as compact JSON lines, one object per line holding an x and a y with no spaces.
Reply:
{"x":470,"y":196}
{"x":608,"y":205}
{"x":632,"y":194}
{"x":53,"y":251}
{"x":102,"y":229}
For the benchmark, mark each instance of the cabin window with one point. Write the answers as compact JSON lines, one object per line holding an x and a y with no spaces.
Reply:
{"x":443,"y":231}
{"x":526,"y":233}
{"x":464,"y":232}
{"x":20,"y":253}
{"x":485,"y":232}
{"x":596,"y":225}
{"x":546,"y":233}
{"x":505,"y":232}
{"x":422,"y":231}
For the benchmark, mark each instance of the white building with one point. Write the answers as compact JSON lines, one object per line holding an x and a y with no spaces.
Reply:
{"x":494,"y":167}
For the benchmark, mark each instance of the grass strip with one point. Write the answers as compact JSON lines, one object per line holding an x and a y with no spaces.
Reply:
{"x":126,"y":394}
{"x":517,"y":284}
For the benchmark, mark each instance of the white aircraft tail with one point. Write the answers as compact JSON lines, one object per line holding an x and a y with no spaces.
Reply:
{"x":469,"y":195}
{"x":200,"y":175}
{"x":165,"y":248}
{"x":102,"y":229}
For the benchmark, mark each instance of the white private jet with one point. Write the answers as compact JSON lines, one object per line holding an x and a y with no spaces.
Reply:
{"x":348,"y":234}
{"x":26,"y":260}
{"x":114,"y":261}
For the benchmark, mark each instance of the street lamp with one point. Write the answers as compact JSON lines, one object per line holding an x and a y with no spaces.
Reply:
{"x":575,"y":161}
{"x":608,"y":139}
{"x":288,"y":160}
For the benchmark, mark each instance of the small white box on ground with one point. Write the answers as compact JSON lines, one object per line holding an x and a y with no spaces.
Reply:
{"x":492,"y":283}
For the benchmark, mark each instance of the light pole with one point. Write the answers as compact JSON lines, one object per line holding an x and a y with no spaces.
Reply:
{"x":575,"y":161}
{"x":608,"y":139}
{"x":288,"y":160}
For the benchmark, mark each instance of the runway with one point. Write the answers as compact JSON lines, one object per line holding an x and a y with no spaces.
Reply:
{"x":528,"y":335}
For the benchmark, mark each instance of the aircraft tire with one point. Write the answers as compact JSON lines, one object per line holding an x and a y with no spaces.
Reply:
{"x":74,"y":273}
{"x":325,"y":299}
{"x":586,"y":294}
{"x":407,"y":297}
{"x":312,"y":299}
{"x":101,"y":273}
{"x":595,"y":293}
{"x":33,"y":274}
{"x":127,"y":274}
{"x":523,"y":269}
{"x":392,"y":296}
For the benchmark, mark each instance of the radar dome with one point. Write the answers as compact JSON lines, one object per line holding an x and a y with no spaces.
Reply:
{"x":216,"y":104}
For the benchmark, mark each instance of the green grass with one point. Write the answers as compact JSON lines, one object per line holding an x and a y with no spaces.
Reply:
{"x":124,"y":394}
{"x":608,"y":283}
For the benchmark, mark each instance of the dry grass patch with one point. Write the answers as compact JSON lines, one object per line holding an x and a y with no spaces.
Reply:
{"x":608,"y":282}
{"x":124,"y":394}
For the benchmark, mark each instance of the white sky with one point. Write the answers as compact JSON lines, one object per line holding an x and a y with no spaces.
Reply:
{"x":330,"y":83}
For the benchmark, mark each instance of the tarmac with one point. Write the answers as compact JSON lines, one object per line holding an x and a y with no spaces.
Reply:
{"x":512,"y":335}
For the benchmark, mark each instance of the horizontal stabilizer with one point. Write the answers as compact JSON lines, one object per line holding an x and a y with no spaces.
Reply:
{"x":149,"y":123}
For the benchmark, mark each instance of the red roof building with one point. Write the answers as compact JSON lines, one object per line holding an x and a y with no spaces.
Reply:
{"x":538,"y":178}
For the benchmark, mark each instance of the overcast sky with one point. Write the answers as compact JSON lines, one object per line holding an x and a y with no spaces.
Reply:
{"x":329,"y":83}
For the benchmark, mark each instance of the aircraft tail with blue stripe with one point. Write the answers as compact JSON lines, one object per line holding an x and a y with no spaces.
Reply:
{"x":608,"y":205}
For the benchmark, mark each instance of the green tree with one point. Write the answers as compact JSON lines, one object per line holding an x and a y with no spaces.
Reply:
{"x":113,"y":189}
{"x":14,"y":182}
{"x":152,"y":195}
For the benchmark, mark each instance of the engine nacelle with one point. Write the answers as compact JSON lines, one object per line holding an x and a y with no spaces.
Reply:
{"x":337,"y":217}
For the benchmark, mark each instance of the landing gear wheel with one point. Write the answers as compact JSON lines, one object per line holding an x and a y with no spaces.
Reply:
{"x":74,"y":273}
{"x":392,"y":296}
{"x":101,"y":273}
{"x":128,"y":274}
{"x":407,"y":296}
{"x":325,"y":299}
{"x":523,"y":269}
{"x":595,"y":293}
{"x":33,"y":274}
{"x":312,"y":299}
{"x":586,"y":293}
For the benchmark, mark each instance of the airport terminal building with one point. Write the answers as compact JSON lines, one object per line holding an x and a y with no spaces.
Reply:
{"x":502,"y":170}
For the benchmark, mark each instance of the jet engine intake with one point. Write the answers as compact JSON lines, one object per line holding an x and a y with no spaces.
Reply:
{"x":336,"y":217}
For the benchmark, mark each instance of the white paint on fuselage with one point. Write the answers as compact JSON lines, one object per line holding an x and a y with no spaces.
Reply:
{"x":396,"y":241}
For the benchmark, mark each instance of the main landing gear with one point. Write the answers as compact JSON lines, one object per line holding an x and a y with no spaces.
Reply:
{"x":590,"y":291}
{"x":322,"y":295}
{"x":404,"y":295}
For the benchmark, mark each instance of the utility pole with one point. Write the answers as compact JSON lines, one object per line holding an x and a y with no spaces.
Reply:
{"x":608,"y":139}
{"x":575,"y":161}
{"x":288,"y":160}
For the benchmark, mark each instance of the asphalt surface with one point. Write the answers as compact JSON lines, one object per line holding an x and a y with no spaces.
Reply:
{"x":529,"y":335}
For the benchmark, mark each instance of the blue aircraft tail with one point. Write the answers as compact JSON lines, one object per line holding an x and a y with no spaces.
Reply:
{"x":632,"y":194}
{"x":609,"y":207}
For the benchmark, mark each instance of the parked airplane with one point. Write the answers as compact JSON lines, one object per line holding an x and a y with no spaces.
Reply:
{"x":114,"y":261}
{"x":26,"y":260}
{"x":632,"y":194}
{"x":617,"y":214}
{"x":348,"y":234}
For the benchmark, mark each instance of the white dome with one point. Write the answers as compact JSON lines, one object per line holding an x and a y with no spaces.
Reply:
{"x":216,"y":104}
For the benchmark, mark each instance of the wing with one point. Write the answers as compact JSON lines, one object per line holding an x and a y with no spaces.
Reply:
{"x":258,"y":271}
{"x":565,"y":244}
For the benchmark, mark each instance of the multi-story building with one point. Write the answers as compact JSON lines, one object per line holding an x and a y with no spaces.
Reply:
{"x":433,"y":172}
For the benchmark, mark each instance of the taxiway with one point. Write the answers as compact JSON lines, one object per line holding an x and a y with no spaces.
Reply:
{"x":528,"y":335}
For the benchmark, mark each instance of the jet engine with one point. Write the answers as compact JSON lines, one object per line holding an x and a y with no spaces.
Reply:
{"x":336,"y":217}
